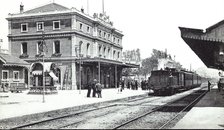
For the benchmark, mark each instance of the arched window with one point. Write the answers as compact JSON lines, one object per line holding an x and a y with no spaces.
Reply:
{"x":108,"y":52}
{"x":88,"y":49}
{"x":99,"y":51}
{"x":80,"y":47}
{"x":104,"y":52}
{"x":118,"y":55}
{"x":114,"y":53}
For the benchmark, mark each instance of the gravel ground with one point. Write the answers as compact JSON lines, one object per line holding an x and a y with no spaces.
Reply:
{"x":106,"y":118}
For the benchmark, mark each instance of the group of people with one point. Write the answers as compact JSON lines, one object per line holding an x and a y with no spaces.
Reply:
{"x":96,"y":87}
{"x":133,"y":84}
{"x":144,"y":84}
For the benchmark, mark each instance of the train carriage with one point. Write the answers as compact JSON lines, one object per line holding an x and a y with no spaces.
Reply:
{"x":169,"y":81}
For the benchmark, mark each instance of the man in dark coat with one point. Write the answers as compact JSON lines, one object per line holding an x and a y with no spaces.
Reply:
{"x":89,"y":87}
{"x":94,"y":87}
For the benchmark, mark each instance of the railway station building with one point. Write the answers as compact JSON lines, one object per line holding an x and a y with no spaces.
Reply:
{"x":72,"y":47}
{"x":208,"y":44}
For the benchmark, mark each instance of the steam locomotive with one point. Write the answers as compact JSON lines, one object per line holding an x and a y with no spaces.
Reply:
{"x":169,"y":81}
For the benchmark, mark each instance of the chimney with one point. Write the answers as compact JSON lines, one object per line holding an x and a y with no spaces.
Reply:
{"x":21,"y":8}
{"x":82,"y":10}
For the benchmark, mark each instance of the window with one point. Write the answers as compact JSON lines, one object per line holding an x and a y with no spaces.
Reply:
{"x":99,"y":50}
{"x":15,"y":75}
{"x":108,"y":52}
{"x":5,"y":74}
{"x":88,"y":29}
{"x":24,"y":48}
{"x":104,"y":52}
{"x":24,"y":27}
{"x":104,"y":35}
{"x":114,"y":39}
{"x":80,"y":26}
{"x":40,"y":26}
{"x":118,"y":55}
{"x":80,"y":47}
{"x":118,"y":41}
{"x":114,"y":54}
{"x":88,"y":49}
{"x":56,"y":25}
{"x":108,"y":36}
{"x":100,"y":33}
{"x":56,"y":47}
{"x":40,"y":47}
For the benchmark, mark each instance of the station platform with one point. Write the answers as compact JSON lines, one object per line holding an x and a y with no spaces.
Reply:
{"x":208,"y":113}
{"x":19,"y":104}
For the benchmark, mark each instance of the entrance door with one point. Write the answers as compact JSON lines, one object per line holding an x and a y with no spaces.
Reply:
{"x":36,"y":81}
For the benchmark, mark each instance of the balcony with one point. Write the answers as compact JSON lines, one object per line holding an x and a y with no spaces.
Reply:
{"x":39,"y":55}
{"x":24,"y":55}
{"x":56,"y":55}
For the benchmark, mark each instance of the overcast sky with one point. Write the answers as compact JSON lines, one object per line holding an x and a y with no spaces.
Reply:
{"x":146,"y":24}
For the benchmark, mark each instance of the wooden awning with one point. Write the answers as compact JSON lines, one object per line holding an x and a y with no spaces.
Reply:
{"x":207,"y":49}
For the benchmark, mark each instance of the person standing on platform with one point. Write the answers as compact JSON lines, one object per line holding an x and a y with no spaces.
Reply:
{"x":136,"y":85}
{"x":94,"y":87}
{"x":89,"y":87}
{"x":99,"y":90}
{"x":128,"y":85}
{"x":209,"y":85}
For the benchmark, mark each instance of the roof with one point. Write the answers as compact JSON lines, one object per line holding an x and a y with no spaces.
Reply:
{"x":205,"y":48}
{"x":108,"y":61}
{"x":12,"y":60}
{"x":215,"y":26}
{"x":47,"y":8}
{"x":55,"y":9}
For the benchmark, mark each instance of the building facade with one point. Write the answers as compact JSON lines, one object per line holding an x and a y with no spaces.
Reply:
{"x":76,"y":47}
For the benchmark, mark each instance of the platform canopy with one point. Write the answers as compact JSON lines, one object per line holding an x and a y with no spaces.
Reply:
{"x":209,"y":49}
{"x":108,"y":62}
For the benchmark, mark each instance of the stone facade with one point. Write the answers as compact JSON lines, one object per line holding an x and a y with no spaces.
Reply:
{"x":70,"y":36}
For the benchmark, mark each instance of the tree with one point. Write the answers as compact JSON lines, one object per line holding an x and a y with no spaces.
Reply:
{"x":148,"y":65}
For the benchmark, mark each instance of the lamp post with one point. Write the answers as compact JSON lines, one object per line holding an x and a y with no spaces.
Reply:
{"x":79,"y":56}
{"x":80,"y":72}
{"x":43,"y":67}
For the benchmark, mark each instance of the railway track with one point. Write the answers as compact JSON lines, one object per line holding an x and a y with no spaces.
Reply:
{"x":178,"y":106}
{"x":74,"y":119}
{"x":29,"y":125}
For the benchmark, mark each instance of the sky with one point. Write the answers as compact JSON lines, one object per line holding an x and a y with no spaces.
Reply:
{"x":146,"y":24}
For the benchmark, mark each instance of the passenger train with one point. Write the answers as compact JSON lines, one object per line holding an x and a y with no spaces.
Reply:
{"x":169,"y":81}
